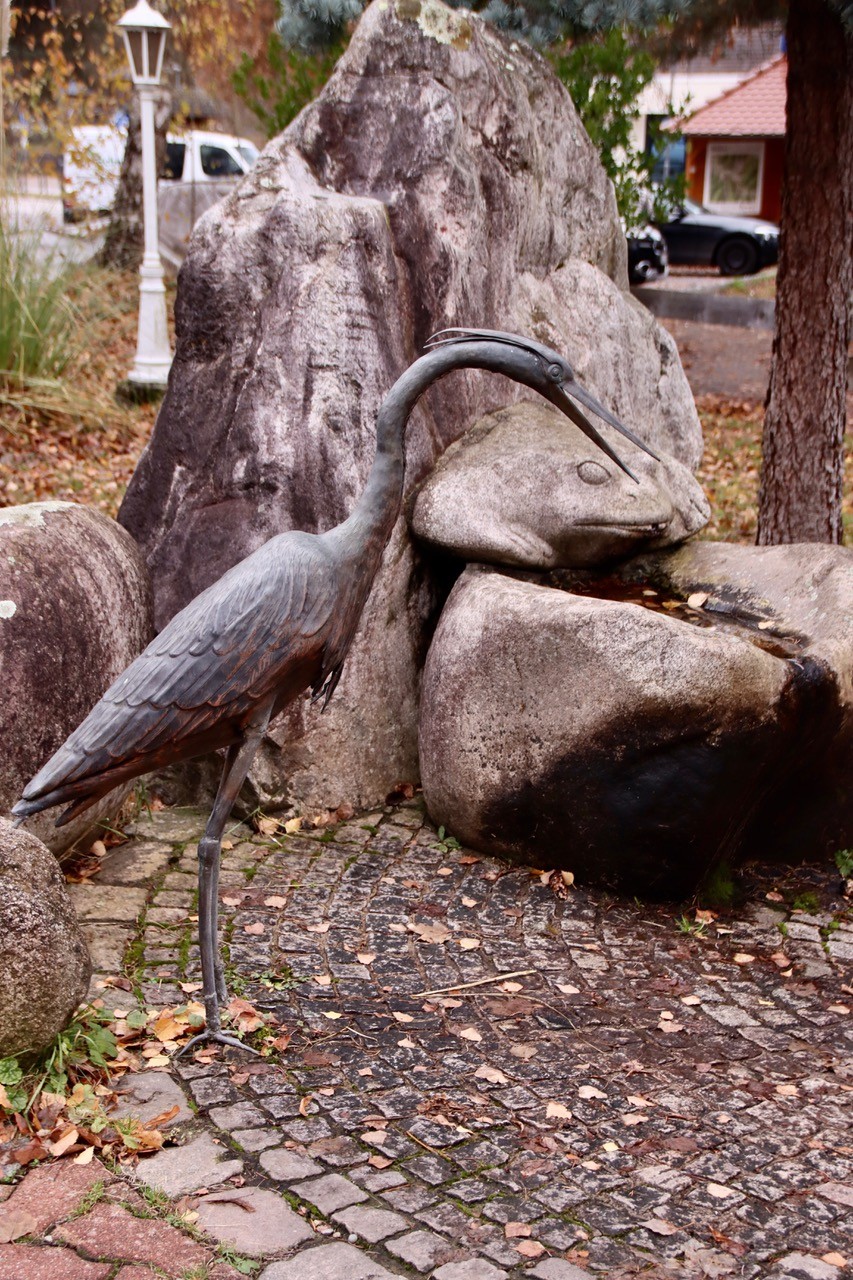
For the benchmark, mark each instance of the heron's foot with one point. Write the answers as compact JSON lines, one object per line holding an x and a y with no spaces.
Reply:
{"x":217,"y":1037}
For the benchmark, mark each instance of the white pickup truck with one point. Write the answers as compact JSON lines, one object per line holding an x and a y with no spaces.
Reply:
{"x":92,"y":163}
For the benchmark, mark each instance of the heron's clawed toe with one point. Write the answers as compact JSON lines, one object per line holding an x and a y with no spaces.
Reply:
{"x":217,"y":1037}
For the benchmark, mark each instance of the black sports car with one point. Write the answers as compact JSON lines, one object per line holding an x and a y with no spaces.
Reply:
{"x":735,"y":245}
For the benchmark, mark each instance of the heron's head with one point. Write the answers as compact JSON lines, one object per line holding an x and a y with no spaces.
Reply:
{"x":549,"y":373}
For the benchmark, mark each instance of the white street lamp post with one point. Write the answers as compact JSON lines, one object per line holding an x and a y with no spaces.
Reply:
{"x":144,"y":31}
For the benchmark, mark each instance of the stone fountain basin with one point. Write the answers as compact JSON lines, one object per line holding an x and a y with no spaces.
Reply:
{"x":637,"y":740}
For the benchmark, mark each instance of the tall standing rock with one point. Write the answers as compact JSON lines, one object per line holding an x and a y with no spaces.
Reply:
{"x":442,"y":177}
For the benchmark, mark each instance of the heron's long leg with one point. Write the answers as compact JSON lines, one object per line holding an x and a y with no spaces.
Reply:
{"x":237,"y":765}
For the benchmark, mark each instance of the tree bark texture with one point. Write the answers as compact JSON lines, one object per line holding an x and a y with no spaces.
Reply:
{"x":123,"y":242}
{"x":802,"y":472}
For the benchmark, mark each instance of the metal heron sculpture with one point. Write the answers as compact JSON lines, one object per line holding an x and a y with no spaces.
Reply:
{"x":278,"y":623}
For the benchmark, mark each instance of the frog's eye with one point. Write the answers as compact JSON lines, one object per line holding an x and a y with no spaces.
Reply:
{"x":555,"y":372}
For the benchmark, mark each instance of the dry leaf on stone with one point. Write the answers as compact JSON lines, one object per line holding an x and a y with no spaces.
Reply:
{"x":469,"y":902}
{"x":401,"y":1017}
{"x":587,"y":1091}
{"x":257,"y":928}
{"x":743,"y":957}
{"x":787,"y":1090}
{"x":69,"y":1137}
{"x":322,"y":979}
{"x":556,"y":1111}
{"x":690,"y":1000}
{"x":365,"y":957}
{"x":471,"y":1033}
{"x":659,"y":1226}
{"x":524,"y":1051}
{"x":516,"y":1230}
{"x":15,"y":1223}
{"x":85,"y":1157}
{"x":717,"y":1191}
{"x":292,"y":825}
{"x":567,"y":989}
{"x":231,"y":900}
{"x":275,"y":900}
{"x":697,"y":599}
{"x":267,"y":826}
{"x":332,"y":1015}
{"x":834,"y":1259}
{"x":379,"y":1162}
{"x":433,"y":933}
{"x":492,"y":1074}
{"x":323,"y":927}
{"x":244,"y":1015}
{"x":469,"y":944}
{"x":530,"y":1248}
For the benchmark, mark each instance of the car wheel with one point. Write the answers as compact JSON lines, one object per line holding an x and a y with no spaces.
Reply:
{"x":737,"y":257}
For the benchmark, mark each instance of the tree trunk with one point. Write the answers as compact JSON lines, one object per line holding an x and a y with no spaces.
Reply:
{"x":123,"y":242}
{"x":802,"y":472}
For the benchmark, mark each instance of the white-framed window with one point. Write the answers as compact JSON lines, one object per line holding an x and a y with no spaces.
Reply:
{"x":734,"y":176}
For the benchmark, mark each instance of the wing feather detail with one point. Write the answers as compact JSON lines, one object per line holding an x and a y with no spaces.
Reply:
{"x":232,"y":646}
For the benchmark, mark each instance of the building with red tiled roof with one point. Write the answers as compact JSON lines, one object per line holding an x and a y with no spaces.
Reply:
{"x":735,"y":145}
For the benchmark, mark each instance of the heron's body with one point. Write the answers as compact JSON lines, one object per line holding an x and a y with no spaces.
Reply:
{"x":281,"y":621}
{"x":278,"y":623}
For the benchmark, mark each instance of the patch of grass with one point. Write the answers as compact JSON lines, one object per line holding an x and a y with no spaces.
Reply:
{"x":38,"y":323}
{"x":762,"y":286}
{"x":284,"y":979}
{"x":81,"y":1051}
{"x":719,"y":887}
{"x":93,"y":1196}
{"x":808,"y":901}
{"x":695,"y":928}
{"x":844,"y":862}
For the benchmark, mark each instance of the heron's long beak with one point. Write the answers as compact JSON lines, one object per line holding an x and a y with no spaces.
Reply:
{"x":559,"y":396}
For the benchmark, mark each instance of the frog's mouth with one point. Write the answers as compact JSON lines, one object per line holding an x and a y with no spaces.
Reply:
{"x":654,"y":527}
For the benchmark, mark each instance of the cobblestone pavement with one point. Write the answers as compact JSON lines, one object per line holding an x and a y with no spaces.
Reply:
{"x":647,"y":1095}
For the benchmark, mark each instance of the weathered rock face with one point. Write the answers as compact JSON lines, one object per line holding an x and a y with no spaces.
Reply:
{"x":525,"y":487}
{"x":442,"y":177}
{"x":43,"y":957}
{"x":625,"y":744}
{"x":75,"y":609}
{"x":801,"y":596}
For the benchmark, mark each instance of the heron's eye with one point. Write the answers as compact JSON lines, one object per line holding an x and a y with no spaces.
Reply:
{"x":555,"y":372}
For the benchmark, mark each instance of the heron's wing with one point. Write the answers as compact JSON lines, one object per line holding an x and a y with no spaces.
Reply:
{"x":228,"y":651}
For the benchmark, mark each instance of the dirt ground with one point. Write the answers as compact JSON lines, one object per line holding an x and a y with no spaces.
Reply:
{"x":723,"y":360}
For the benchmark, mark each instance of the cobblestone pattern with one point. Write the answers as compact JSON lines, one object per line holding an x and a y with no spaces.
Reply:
{"x":639,"y":1100}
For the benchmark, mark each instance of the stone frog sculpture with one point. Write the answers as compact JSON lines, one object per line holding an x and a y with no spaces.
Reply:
{"x":523,"y":487}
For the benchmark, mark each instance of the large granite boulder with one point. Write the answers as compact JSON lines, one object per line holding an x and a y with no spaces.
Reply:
{"x":525,"y":487}
{"x":636,"y":745}
{"x":799,"y":596}
{"x":43,"y":957}
{"x":75,"y":610}
{"x":441,"y":177}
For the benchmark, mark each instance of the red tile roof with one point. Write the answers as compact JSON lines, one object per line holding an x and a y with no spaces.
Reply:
{"x":755,"y":108}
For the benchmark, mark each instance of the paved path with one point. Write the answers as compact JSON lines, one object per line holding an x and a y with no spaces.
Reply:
{"x":646,"y":1101}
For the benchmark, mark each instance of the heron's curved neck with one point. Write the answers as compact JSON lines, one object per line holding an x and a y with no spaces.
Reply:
{"x":378,"y":507}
